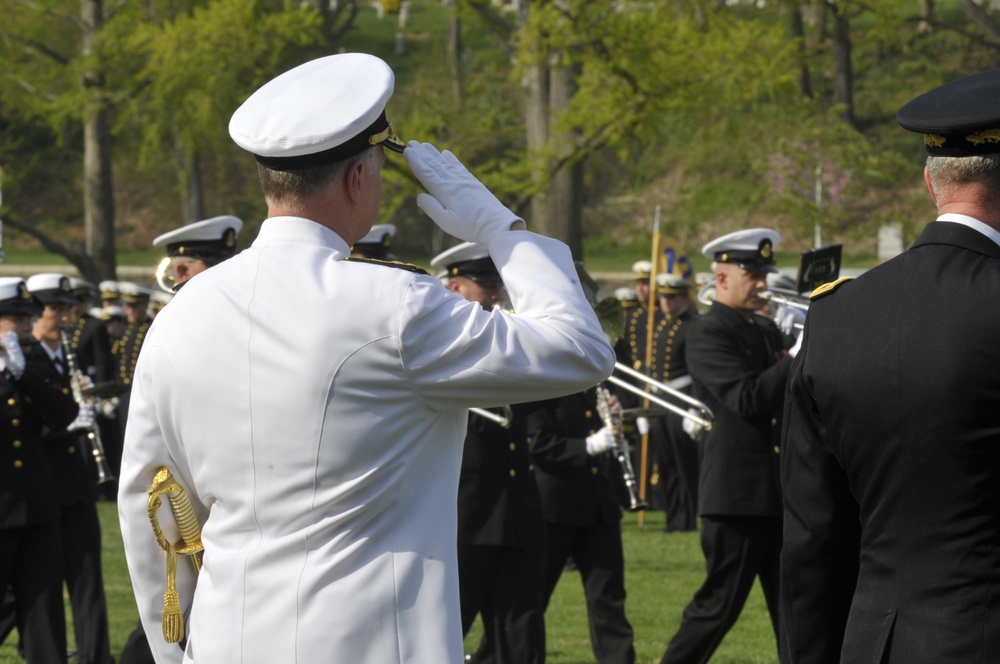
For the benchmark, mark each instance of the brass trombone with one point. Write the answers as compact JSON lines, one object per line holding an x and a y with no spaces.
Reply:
{"x":706,"y":418}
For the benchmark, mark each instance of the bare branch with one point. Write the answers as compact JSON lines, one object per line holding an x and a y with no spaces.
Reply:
{"x":24,"y":83}
{"x":494,"y":19}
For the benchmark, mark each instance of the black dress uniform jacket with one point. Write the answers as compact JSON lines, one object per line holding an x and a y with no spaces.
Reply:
{"x":740,"y":370}
{"x":892,"y":458}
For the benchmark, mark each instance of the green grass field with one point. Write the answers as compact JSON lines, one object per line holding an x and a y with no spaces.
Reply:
{"x":662,"y":572}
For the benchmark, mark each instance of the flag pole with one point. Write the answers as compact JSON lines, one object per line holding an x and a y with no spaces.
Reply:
{"x":650,"y":325}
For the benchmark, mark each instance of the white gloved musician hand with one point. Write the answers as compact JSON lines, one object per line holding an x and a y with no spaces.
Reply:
{"x":11,"y":357}
{"x":602,"y":441}
{"x":790,"y":319}
{"x":84,"y":419}
{"x":642,"y":425}
{"x":457,"y":202}
{"x":794,"y":350}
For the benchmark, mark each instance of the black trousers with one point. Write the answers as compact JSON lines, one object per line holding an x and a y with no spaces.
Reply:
{"x":597,"y":551}
{"x":677,"y":458}
{"x":504,"y":585}
{"x":81,"y":546}
{"x":738,"y":549}
{"x":31,"y":580}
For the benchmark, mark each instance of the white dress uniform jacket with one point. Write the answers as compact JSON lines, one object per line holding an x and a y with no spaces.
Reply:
{"x":315,"y":410}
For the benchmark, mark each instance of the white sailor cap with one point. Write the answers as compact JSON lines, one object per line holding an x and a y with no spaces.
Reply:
{"x":469,"y":259}
{"x":109,"y":289}
{"x":376,"y":243}
{"x":642,"y":270}
{"x":210,"y":239}
{"x":16,"y":300}
{"x":626,"y":295}
{"x":133,"y":293}
{"x":52,"y":288}
{"x":321,"y":112}
{"x":113,"y":312}
{"x":752,"y":249}
{"x":671,"y":284}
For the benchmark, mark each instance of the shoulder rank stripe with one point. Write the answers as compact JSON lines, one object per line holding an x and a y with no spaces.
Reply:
{"x":825,"y":289}
{"x":410,"y":267}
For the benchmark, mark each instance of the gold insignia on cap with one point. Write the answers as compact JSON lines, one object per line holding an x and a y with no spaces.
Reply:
{"x":934,"y":140}
{"x":229,"y":237}
{"x":23,"y":292}
{"x":984,"y":136}
{"x":64,"y":284}
{"x":386,"y":239}
{"x":181,"y":250}
{"x":724,"y":258}
{"x":765,"y":249}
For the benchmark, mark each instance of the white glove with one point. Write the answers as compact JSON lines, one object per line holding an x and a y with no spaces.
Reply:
{"x":84,"y":419}
{"x":11,"y":356}
{"x":642,"y":425}
{"x":601,"y":442}
{"x":457,"y":201}
{"x":691,"y":427}
{"x":788,"y":317}
{"x":794,"y":350}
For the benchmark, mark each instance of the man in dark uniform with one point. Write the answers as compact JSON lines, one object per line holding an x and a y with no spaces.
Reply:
{"x":30,"y":548}
{"x":501,"y":535}
{"x":740,"y":367}
{"x":376,"y":244}
{"x":891,"y":455}
{"x":579,"y":481}
{"x":76,"y":485}
{"x":673,"y":451}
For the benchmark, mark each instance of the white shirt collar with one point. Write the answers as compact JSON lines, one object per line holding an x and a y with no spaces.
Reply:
{"x":972,"y":223}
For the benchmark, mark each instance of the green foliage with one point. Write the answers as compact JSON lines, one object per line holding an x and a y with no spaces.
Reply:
{"x":198,"y":66}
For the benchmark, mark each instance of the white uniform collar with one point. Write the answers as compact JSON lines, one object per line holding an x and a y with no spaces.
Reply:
{"x":972,"y":223}
{"x":279,"y":230}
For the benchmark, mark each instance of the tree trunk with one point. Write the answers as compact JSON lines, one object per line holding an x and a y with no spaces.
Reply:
{"x":536,"y":120}
{"x":796,"y":29}
{"x":926,"y":16}
{"x":98,"y":198}
{"x":188,"y":166}
{"x":565,"y":208}
{"x":843,"y":74}
{"x":455,"y":54}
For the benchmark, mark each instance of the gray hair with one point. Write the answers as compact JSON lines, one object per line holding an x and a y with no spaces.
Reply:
{"x":289,"y":188}
{"x":946,"y":172}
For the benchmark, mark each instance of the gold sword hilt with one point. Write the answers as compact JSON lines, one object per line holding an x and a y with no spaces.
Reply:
{"x":189,"y":544}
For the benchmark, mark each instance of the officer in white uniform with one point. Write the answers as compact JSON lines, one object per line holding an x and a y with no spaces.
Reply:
{"x":317,"y":426}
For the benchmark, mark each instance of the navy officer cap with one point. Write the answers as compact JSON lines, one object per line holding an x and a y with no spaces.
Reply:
{"x":376,"y":243}
{"x":321,"y":112}
{"x":52,"y":288}
{"x":958,"y":119}
{"x":752,"y":249}
{"x":209,"y":239}
{"x":16,"y":299}
{"x":470,"y":260}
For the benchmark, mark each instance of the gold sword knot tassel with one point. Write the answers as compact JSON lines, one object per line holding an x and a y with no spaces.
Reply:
{"x":189,"y":544}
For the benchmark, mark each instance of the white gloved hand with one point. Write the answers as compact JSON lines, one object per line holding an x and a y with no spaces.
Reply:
{"x":642,"y":425}
{"x":11,"y":356}
{"x":84,"y":419}
{"x":601,"y":442}
{"x":691,"y":427}
{"x":794,"y":350}
{"x":456,"y":200}
{"x":788,"y":318}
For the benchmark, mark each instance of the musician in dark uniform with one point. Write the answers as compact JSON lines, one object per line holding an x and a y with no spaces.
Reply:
{"x":376,"y":244}
{"x":193,"y":248}
{"x":891,"y":455}
{"x":135,"y":302}
{"x":673,"y":451}
{"x":501,"y":535}
{"x":90,"y":343}
{"x":75,"y":482}
{"x":30,"y":547}
{"x":740,"y":367}
{"x":579,"y":481}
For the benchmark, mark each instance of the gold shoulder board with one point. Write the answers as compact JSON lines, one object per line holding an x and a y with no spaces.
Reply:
{"x":825,"y":289}
{"x":409,"y":267}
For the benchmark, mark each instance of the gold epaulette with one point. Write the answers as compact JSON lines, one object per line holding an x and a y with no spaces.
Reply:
{"x":825,"y":289}
{"x":409,"y":267}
